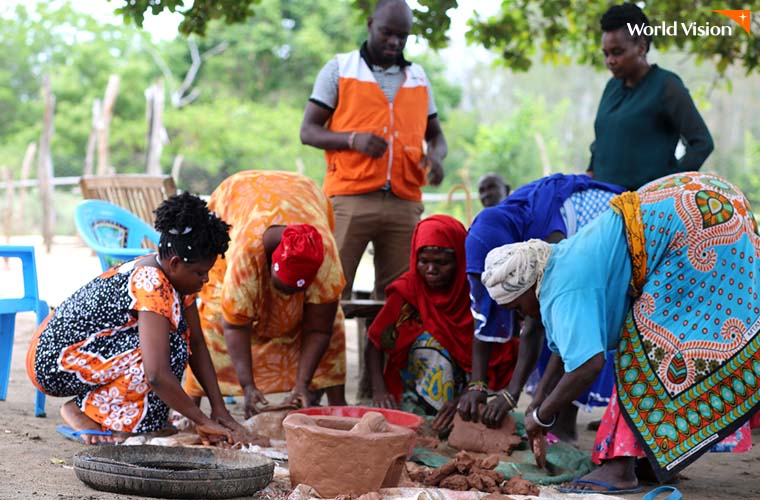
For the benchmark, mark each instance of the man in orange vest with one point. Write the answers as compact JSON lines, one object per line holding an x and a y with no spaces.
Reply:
{"x":373,"y":113}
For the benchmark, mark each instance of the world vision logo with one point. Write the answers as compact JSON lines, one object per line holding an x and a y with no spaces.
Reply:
{"x":741,"y":17}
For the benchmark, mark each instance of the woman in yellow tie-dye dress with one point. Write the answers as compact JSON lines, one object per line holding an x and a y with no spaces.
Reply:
{"x":266,"y":336}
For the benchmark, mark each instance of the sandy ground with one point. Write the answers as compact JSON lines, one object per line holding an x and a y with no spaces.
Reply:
{"x":35,"y":462}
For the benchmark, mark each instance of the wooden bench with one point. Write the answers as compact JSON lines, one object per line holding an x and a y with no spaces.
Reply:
{"x":139,"y":193}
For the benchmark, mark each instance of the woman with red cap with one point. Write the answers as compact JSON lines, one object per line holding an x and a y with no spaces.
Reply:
{"x":426,"y":327}
{"x":270,"y":311}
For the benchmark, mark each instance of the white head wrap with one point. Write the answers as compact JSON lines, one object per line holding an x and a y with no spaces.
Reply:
{"x":512,"y":269}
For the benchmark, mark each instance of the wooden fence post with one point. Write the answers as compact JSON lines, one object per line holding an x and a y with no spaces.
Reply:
{"x":8,"y":226}
{"x":176,"y":166}
{"x":26,"y":170}
{"x":104,"y":161}
{"x":154,"y":112}
{"x":45,"y":165}
{"x":92,"y":140}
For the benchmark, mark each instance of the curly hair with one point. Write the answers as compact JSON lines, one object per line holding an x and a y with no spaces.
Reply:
{"x":189,"y":230}
{"x":619,"y":16}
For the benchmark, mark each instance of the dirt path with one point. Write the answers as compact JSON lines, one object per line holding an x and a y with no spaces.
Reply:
{"x":35,"y":462}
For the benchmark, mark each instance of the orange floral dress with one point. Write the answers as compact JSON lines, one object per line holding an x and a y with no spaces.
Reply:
{"x":240,"y":289}
{"x":89,"y":347}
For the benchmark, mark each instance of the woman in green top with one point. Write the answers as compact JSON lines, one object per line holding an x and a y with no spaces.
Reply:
{"x":644,"y":111}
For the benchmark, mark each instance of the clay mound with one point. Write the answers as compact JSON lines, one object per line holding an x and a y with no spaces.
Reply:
{"x":268,"y":422}
{"x":465,"y":472}
{"x":519,"y":486}
{"x":476,"y":437}
{"x":371,"y":422}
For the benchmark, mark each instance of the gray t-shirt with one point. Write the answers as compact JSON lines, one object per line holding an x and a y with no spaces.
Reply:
{"x":389,"y":79}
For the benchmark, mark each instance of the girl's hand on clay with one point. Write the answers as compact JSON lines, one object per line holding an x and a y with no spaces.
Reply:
{"x":536,"y":439}
{"x":468,"y":404}
{"x":445,"y":416}
{"x":495,"y":412}
{"x":211,"y":432}
{"x":384,"y":400}
{"x":252,"y":397}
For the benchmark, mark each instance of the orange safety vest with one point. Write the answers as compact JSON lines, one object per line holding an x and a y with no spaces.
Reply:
{"x":363,"y":107}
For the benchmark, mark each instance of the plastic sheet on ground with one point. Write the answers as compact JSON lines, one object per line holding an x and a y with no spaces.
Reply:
{"x":564,"y":462}
{"x":304,"y":492}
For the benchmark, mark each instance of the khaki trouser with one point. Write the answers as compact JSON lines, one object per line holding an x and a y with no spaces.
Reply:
{"x":385,"y":220}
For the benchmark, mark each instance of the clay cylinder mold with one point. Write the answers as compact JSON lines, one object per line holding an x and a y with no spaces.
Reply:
{"x":345,"y":455}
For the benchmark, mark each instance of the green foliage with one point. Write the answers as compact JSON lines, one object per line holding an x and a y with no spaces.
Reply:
{"x":748,"y":178}
{"x":568,"y":30}
{"x":196,"y":17}
{"x":231,"y":135}
{"x":511,"y":147}
{"x":277,"y":54}
{"x":252,"y":95}
{"x":560,"y":30}
{"x":565,"y":30}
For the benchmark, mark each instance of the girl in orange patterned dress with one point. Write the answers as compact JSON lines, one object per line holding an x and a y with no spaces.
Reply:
{"x":270,"y":311}
{"x":119,"y":345}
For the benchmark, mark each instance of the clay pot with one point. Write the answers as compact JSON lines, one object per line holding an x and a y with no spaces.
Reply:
{"x":345,"y":455}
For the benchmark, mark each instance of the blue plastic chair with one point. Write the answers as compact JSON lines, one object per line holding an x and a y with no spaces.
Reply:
{"x":8,"y":309}
{"x":114,"y":233}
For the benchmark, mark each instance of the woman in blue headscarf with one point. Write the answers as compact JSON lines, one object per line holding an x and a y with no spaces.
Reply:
{"x":551,"y":209}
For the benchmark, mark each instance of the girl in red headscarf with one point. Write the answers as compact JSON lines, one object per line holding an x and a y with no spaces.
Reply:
{"x":426,"y":327}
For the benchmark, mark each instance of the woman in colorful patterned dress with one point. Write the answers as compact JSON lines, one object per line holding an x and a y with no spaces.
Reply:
{"x":270,"y":312}
{"x":425,"y":327}
{"x":669,"y":278}
{"x":119,"y":345}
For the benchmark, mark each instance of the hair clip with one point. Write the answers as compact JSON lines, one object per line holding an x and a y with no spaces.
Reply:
{"x":169,"y":244}
{"x":184,"y":258}
{"x":189,"y":247}
{"x":184,"y":231}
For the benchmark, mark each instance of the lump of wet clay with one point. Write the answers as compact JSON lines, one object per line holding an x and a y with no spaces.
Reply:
{"x":476,"y":437}
{"x":519,"y":486}
{"x":478,"y":474}
{"x":456,"y":482}
{"x":417,"y":473}
{"x":268,"y":423}
{"x":371,"y":422}
{"x":539,"y":450}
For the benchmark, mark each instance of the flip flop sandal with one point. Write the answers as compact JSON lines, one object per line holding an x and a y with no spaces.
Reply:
{"x":69,"y":433}
{"x":674,"y":494}
{"x":609,"y":489}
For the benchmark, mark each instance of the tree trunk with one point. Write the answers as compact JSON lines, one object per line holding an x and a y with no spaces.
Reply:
{"x":176,"y":166}
{"x":45,"y":165}
{"x":92,"y":141}
{"x":104,"y":162}
{"x":26,"y":169}
{"x":6,"y":174}
{"x":546,"y":164}
{"x":154,"y":112}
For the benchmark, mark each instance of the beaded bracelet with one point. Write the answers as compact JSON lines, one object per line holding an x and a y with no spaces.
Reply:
{"x":477,"y":386}
{"x":509,"y":398}
{"x":539,"y":422}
